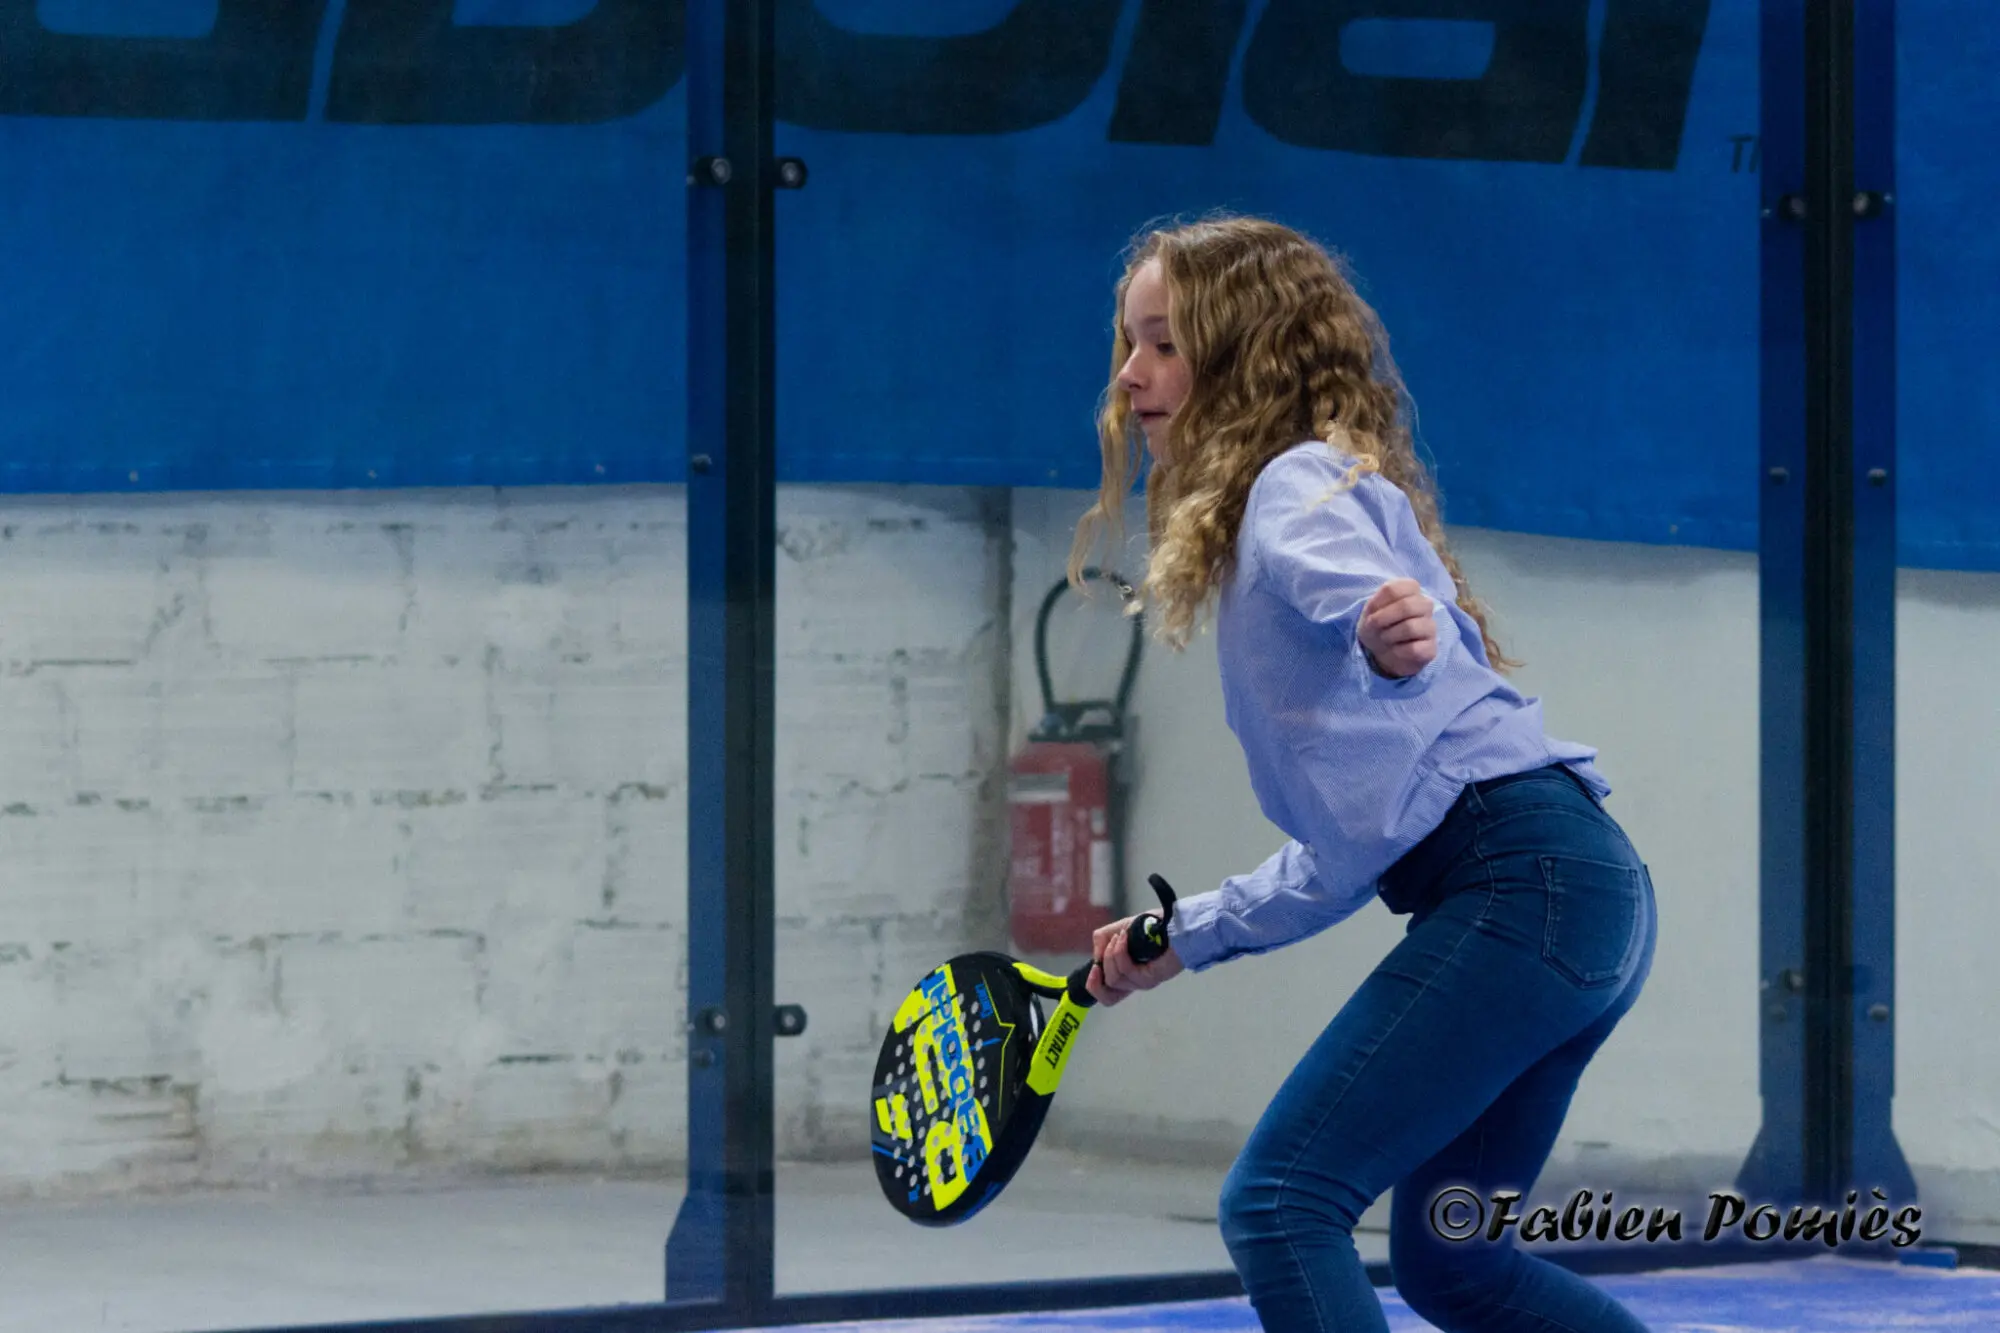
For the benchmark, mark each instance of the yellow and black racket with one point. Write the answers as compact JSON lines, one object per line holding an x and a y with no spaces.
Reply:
{"x":968,"y":1070}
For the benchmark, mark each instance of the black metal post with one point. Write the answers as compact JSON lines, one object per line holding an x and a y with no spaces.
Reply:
{"x":1829,"y":593}
{"x":722,"y":1244}
{"x":1875,"y":1161}
{"x":1828,"y":583}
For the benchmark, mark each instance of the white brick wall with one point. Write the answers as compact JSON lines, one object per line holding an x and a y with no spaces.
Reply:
{"x":347,"y":834}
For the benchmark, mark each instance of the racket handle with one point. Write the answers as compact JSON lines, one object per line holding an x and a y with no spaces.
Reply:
{"x":1079,"y":982}
{"x":1146,"y":940}
{"x":1148,"y":937}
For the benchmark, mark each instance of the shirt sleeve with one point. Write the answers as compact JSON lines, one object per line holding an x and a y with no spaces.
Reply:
{"x":1325,"y":550}
{"x":1278,"y":903}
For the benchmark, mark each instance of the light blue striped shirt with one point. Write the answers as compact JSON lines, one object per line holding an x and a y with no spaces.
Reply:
{"x":1355,"y":768}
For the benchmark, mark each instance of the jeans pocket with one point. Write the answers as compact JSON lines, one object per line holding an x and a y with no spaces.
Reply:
{"x":1594,"y":914}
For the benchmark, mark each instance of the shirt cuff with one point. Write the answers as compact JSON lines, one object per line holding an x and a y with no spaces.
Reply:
{"x":1191,"y":932}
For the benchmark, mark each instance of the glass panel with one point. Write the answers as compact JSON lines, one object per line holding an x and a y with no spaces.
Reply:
{"x":1947,"y":622}
{"x":946,"y":309}
{"x":342,"y":926}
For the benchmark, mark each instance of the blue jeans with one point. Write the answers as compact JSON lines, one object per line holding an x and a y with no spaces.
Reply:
{"x":1531,"y":933}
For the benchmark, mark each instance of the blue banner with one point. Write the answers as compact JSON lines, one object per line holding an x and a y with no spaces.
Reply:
{"x":392,"y":243}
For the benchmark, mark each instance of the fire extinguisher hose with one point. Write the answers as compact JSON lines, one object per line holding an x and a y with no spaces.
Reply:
{"x":1066,"y":719}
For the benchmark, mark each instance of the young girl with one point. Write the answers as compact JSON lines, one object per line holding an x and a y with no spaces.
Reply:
{"x":1360,"y":678}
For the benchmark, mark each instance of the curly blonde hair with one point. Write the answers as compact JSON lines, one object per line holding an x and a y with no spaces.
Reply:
{"x":1281,"y":348}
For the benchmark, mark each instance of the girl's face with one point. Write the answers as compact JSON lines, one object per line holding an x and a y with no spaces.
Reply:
{"x":1154,"y":377}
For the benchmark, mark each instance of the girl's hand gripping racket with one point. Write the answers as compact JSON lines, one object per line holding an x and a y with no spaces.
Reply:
{"x":968,"y":1070}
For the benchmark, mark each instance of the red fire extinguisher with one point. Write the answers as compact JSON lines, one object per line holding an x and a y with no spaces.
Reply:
{"x":1066,"y":804}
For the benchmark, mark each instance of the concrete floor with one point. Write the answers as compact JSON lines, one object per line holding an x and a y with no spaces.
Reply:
{"x":178,"y":1264}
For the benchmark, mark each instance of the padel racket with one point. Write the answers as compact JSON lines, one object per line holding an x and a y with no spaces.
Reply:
{"x":968,"y":1070}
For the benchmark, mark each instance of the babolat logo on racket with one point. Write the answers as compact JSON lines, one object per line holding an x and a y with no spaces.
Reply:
{"x":946,"y":1032}
{"x":949,"y":1132}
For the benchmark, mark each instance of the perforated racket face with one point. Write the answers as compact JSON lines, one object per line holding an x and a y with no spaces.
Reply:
{"x":947,"y":1084}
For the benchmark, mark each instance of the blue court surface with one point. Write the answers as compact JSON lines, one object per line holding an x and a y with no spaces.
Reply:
{"x":1830,"y":1295}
